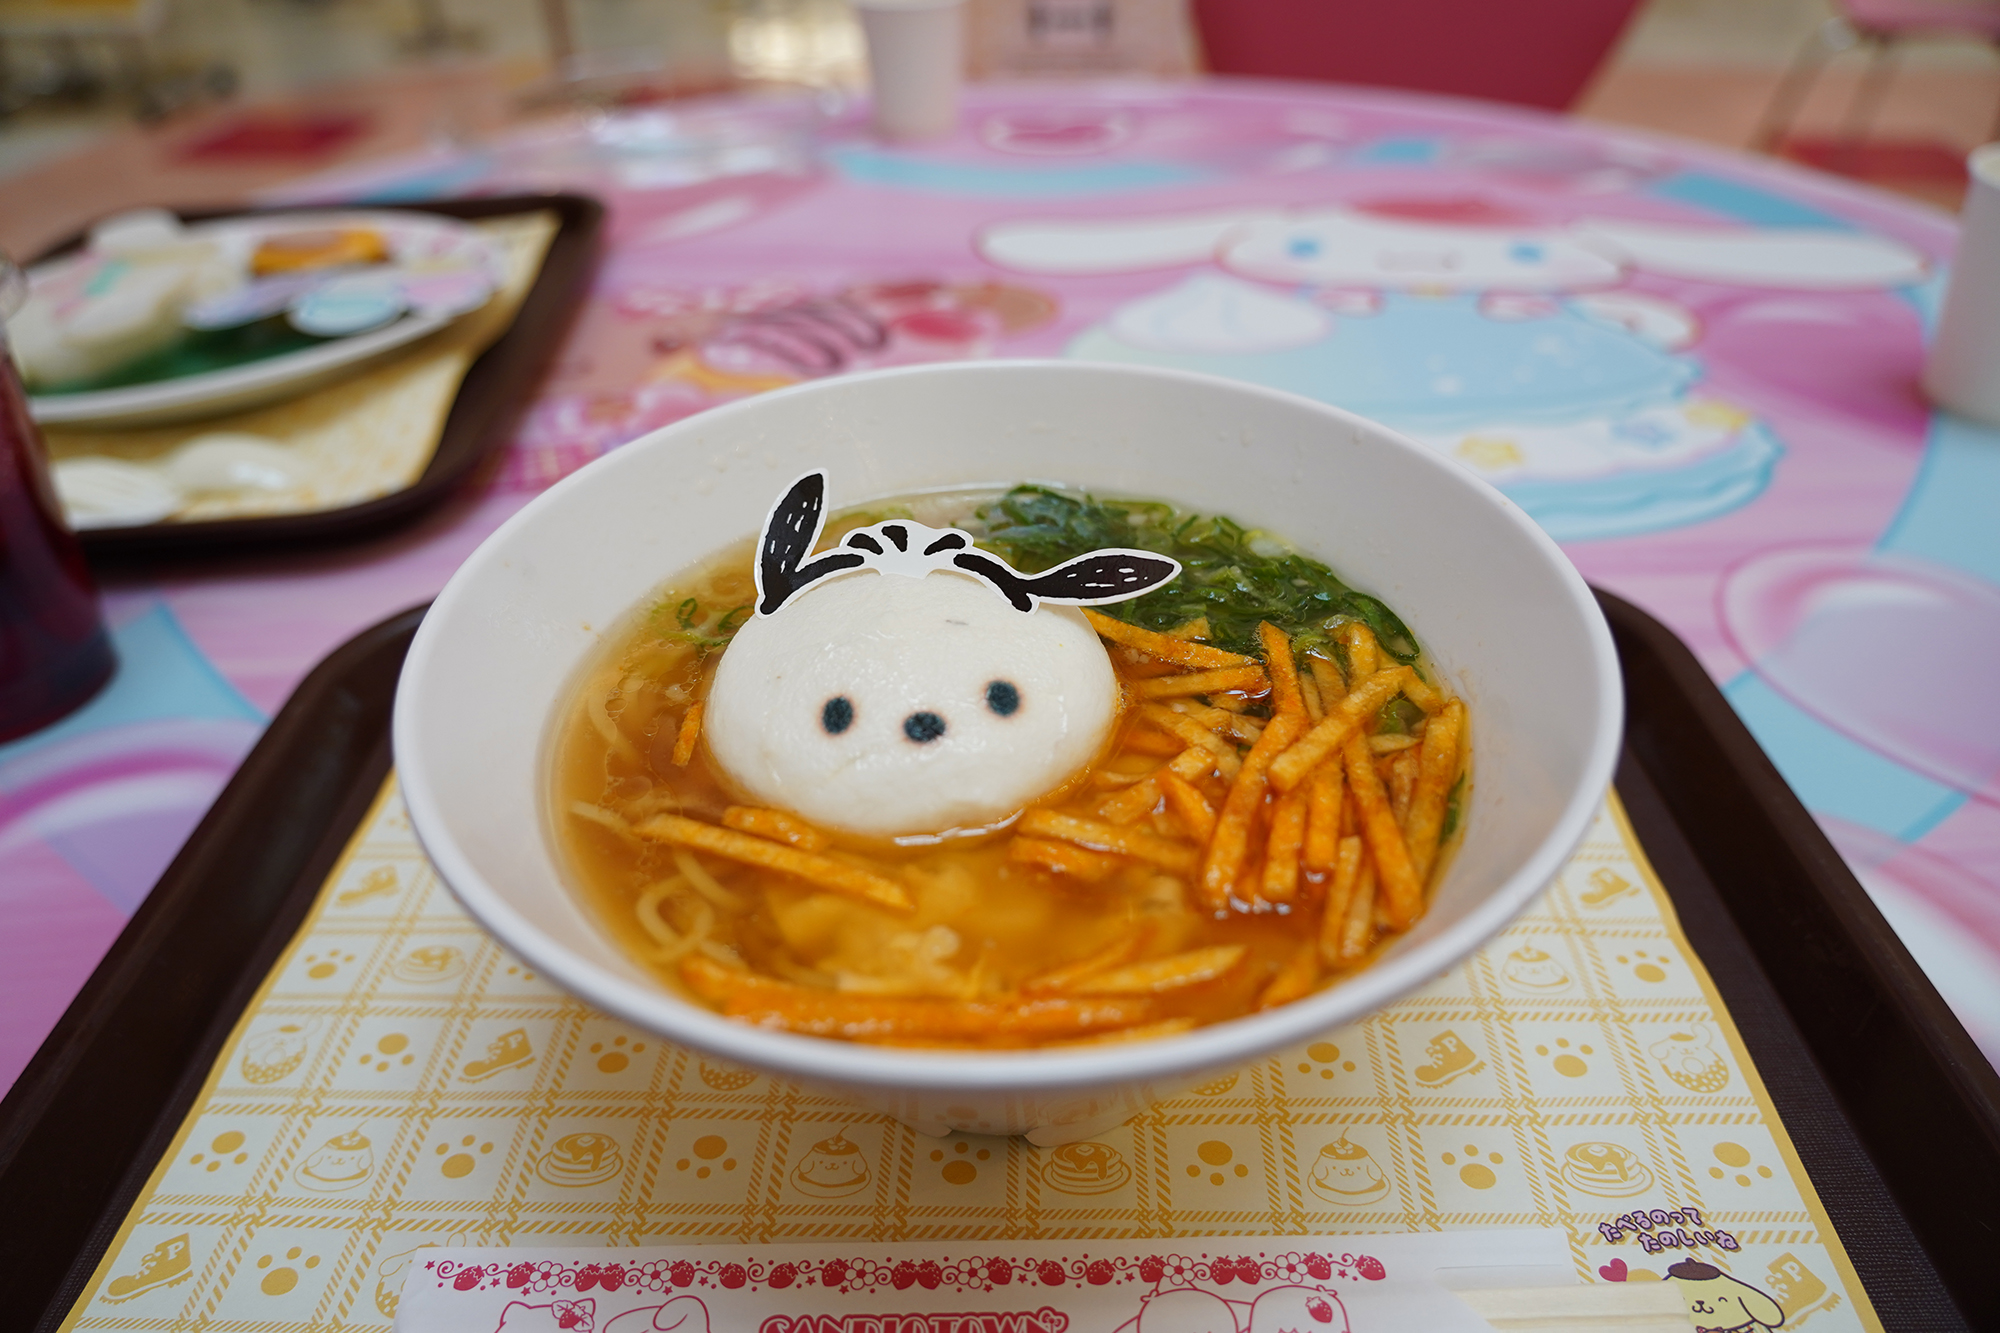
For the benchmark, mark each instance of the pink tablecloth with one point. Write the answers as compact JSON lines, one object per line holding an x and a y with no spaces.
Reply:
{"x":1696,"y":369}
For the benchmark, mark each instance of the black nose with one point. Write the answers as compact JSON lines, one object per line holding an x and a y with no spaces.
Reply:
{"x":923,"y":728}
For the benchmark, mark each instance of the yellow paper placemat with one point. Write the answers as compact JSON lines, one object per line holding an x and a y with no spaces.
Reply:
{"x":401,"y":1081}
{"x":365,"y":436}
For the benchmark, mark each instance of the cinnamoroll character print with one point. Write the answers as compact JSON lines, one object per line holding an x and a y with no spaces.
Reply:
{"x":906,"y":684}
{"x":1514,"y":349}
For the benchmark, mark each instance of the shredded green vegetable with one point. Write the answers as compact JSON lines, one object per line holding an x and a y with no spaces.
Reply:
{"x":1232,"y":575}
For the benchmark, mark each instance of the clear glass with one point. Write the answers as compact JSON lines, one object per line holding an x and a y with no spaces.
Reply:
{"x":54,"y":652}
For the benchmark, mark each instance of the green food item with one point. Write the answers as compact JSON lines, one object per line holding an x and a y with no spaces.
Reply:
{"x":1452,"y":806}
{"x":1234,"y":576}
{"x":1396,"y":717}
{"x":707,"y":629}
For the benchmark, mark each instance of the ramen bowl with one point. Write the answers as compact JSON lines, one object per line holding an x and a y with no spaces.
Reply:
{"x":1502,"y":613}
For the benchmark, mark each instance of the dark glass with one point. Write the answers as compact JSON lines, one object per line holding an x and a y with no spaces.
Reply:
{"x":54,"y":653}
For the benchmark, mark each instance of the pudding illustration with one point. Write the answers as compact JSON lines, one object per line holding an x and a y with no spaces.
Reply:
{"x":432,"y":962}
{"x":1691,"y":1061}
{"x":832,"y":1169}
{"x":1086,"y":1168}
{"x":580,"y":1159}
{"x":1529,"y":969}
{"x":341,"y":1163}
{"x":269,"y":1056}
{"x":1344,"y":1173}
{"x":1606,"y":1170}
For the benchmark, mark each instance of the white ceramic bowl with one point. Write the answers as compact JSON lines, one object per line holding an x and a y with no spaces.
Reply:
{"x":1498,"y":606}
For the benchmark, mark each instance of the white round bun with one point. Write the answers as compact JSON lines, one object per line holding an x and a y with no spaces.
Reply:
{"x":884,"y":705}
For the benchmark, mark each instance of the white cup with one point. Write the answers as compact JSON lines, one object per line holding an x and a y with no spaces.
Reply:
{"x":916,"y":59}
{"x":1962,"y":374}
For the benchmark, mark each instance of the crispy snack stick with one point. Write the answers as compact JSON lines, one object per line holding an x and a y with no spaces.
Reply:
{"x":821,"y":870}
{"x":1197,"y":816}
{"x":1281,"y":856}
{"x":1290,"y":768}
{"x":827,"y":1013}
{"x":1191,"y":731}
{"x":1358,"y":932}
{"x":1339,"y":897}
{"x":1391,"y":743}
{"x":1323,"y":793}
{"x":1097,"y":835}
{"x":1440,"y":769}
{"x":775,"y":825}
{"x":1283,"y":670}
{"x":1402,"y":780}
{"x":1332,"y":689}
{"x":1421,"y":693}
{"x":1065,"y":858}
{"x":1295,"y":979}
{"x":1138,"y":800}
{"x":1163,"y":974}
{"x":1249,"y":678}
{"x":690,"y":733}
{"x":1315,"y":704}
{"x":1364,"y":655}
{"x":1149,"y":740}
{"x":1121,"y":950}
{"x":1230,"y":846}
{"x":1166,"y":647}
{"x":1403,"y":896}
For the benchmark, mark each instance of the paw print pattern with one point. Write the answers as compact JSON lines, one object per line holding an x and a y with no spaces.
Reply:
{"x":462,"y":1162}
{"x":392,"y":1050}
{"x":1216,"y":1154}
{"x":618,"y":1056}
{"x":707,"y":1148}
{"x":278,"y":1281}
{"x":320,"y":966}
{"x":1325,"y":1055}
{"x":1568,"y":1063}
{"x":224,"y":1147}
{"x":960,"y":1170}
{"x":1736,"y":1158}
{"x":1648,"y":967}
{"x":1474,"y":1173}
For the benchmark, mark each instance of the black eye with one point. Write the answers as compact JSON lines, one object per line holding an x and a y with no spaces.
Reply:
{"x":923,"y":727}
{"x":1003,"y":698}
{"x":837,"y":715}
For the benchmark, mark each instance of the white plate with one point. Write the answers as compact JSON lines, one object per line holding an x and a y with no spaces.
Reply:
{"x":260,"y":382}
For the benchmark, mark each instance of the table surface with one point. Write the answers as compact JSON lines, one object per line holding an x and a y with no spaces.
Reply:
{"x":1696,"y":369}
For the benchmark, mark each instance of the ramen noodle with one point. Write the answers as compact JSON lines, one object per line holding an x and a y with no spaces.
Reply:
{"x":1274,"y":799}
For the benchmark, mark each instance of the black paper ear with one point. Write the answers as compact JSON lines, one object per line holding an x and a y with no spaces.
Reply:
{"x":1088,"y":580}
{"x":791,"y":530}
{"x":1104,"y":576}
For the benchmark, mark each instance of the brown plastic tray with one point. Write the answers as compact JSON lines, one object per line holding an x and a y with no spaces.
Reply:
{"x":496,"y":389}
{"x":1894,"y":1112}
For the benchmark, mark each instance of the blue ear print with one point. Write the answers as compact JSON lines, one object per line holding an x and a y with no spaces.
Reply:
{"x":793,"y":528}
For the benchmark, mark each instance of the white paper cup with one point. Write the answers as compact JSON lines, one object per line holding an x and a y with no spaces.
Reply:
{"x":916,"y":59}
{"x":1962,"y":374}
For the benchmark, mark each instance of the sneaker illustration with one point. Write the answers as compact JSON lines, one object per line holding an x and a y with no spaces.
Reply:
{"x":1450,"y":1059}
{"x":162,"y":1266}
{"x":509,"y":1050}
